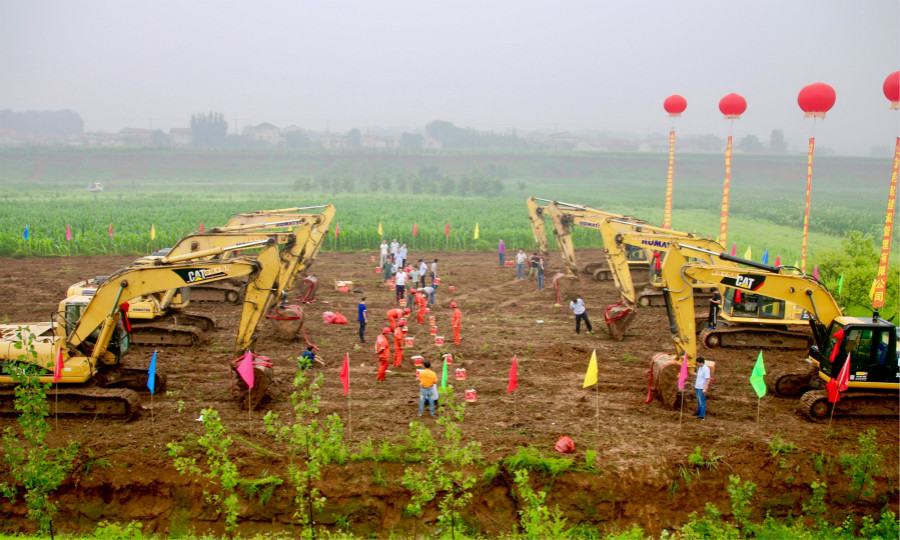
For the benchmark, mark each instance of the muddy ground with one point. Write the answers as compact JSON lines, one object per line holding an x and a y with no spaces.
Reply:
{"x":639,"y":446}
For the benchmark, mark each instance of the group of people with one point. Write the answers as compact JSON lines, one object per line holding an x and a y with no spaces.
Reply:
{"x":535,"y":264}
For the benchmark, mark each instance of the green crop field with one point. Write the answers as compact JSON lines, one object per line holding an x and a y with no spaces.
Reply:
{"x":174,"y":192}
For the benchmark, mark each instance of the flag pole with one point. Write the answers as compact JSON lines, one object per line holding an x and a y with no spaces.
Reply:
{"x":681,"y":413}
{"x":597,"y":423}
{"x":758,"y":401}
{"x":515,"y":409}
{"x":56,"y":411}
{"x":830,"y":418}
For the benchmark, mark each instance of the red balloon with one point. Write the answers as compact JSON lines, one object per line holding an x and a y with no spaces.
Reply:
{"x":675,"y":105}
{"x":892,"y":89}
{"x":816,"y":99}
{"x":733,"y":105}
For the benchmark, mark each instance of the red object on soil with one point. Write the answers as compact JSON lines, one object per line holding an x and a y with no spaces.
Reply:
{"x":675,"y":105}
{"x":733,"y":105}
{"x":816,"y":99}
{"x":565,"y":445}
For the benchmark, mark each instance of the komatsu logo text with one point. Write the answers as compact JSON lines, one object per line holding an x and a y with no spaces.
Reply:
{"x":656,"y":243}
{"x":193,"y":276}
{"x":585,"y":223}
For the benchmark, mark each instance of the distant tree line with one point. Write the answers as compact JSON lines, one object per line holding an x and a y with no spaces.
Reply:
{"x":428,"y":180}
{"x":63,"y":122}
{"x":209,"y":130}
{"x":452,"y":137}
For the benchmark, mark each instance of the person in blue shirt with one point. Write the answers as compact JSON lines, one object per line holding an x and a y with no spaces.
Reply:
{"x":363,"y":318}
{"x":309,"y":356}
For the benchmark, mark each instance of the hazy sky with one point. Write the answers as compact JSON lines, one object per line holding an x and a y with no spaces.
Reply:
{"x":487,"y":64}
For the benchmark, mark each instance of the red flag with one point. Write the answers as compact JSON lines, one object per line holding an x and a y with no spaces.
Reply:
{"x":778,"y":260}
{"x":337,"y":230}
{"x":513,"y":376}
{"x":124,"y":308}
{"x":345,"y":374}
{"x":415,"y":228}
{"x":447,"y":229}
{"x":110,"y":230}
{"x":733,"y":249}
{"x":245,"y":369}
{"x":839,"y":337}
{"x":833,"y":395}
{"x":68,"y":233}
{"x":843,"y":378}
{"x":201,"y":226}
{"x":57,"y":368}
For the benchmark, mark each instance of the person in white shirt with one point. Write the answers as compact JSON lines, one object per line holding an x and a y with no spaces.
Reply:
{"x":402,"y":253}
{"x":395,"y":247}
{"x":577,"y":307}
{"x":434,"y":272}
{"x":700,"y":386}
{"x":423,"y":271}
{"x":521,"y":257}
{"x":384,"y":252}
{"x":400,"y":283}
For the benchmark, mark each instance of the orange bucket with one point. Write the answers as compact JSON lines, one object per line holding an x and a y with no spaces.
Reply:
{"x":377,"y":270}
{"x":438,"y":340}
{"x":470,"y":395}
{"x":409,"y":340}
{"x":452,"y":288}
{"x":460,"y":374}
{"x":449,"y":359}
{"x":418,"y":373}
{"x":373,"y":258}
{"x":434,"y":330}
{"x":393,"y":287}
{"x":417,"y":359}
{"x":437,"y":281}
{"x":432,"y":320}
{"x":403,"y":302}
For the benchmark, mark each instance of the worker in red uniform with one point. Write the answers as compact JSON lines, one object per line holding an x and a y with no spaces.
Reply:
{"x":394,"y":315}
{"x":421,"y":306}
{"x":456,"y":322}
{"x":383,"y":350}
{"x":398,"y":345}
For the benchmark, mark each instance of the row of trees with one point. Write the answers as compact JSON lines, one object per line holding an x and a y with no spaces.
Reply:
{"x":427,"y":181}
{"x":63,"y":123}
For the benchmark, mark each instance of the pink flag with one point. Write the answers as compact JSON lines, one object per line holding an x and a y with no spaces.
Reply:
{"x":816,"y":272}
{"x":415,"y":228}
{"x":201,"y":226}
{"x":337,"y":230}
{"x":110,"y":230}
{"x":733,"y":249}
{"x":68,"y":233}
{"x":684,"y":373}
{"x":345,"y":374}
{"x":57,"y":369}
{"x":513,"y":376}
{"x":447,"y":229}
{"x":245,"y":369}
{"x":778,"y":260}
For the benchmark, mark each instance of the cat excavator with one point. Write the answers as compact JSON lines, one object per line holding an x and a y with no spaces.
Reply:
{"x":162,"y":319}
{"x":869,"y":344}
{"x":747,"y":320}
{"x":87,"y":334}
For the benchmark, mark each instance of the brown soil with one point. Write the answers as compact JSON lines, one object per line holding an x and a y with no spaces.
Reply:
{"x":639,"y":446}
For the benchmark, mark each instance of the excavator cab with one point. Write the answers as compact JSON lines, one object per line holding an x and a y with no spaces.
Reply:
{"x":743,"y":305}
{"x":872,"y":348}
{"x":74,"y":308}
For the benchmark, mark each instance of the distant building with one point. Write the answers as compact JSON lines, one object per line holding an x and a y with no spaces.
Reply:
{"x":135,"y":137}
{"x":180,"y":137}
{"x":267,"y":133}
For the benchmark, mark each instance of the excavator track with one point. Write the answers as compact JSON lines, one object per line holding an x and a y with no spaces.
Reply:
{"x":656,"y":298}
{"x":740,"y":336}
{"x":177,"y":330}
{"x":84,"y":401}
{"x":816,"y":407}
{"x":791,"y":381}
{"x":217,"y":293}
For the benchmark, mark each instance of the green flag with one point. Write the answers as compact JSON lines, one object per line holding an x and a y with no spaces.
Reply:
{"x":841,"y":283}
{"x":444,"y":375}
{"x":756,"y":378}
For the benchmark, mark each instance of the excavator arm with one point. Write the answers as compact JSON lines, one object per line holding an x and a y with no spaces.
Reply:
{"x":679,"y":274}
{"x":536,"y":218}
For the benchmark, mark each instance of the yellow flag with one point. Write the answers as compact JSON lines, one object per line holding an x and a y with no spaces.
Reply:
{"x":380,"y":232}
{"x":748,"y":254}
{"x":590,"y":378}
{"x":152,"y":231}
{"x":872,"y":290}
{"x":476,"y":230}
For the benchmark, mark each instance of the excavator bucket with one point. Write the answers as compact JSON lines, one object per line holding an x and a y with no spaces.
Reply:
{"x":263,"y":374}
{"x":286,"y":320}
{"x":664,"y":370}
{"x":566,"y":286}
{"x":618,"y":317}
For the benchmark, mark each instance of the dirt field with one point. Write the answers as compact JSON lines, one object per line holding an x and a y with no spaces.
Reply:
{"x":639,"y":446}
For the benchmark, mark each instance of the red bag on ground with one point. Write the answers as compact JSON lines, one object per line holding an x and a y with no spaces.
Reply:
{"x":328,"y":317}
{"x":565,"y":445}
{"x":339,"y":319}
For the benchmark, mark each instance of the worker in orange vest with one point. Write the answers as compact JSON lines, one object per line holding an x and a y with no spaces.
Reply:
{"x":398,"y":345}
{"x":383,"y":350}
{"x":421,"y":306}
{"x":456,"y":322}
{"x":394,"y":315}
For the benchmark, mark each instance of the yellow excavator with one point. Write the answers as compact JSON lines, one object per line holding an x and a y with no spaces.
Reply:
{"x":747,"y":320}
{"x":870,"y":343}
{"x":88,"y":334}
{"x":162,"y":319}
